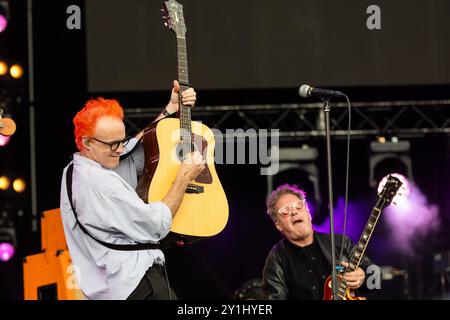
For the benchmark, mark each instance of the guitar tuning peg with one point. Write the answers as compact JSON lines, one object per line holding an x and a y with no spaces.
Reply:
{"x":165,"y":23}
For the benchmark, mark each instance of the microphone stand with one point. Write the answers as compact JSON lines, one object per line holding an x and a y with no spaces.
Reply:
{"x":326,"y":109}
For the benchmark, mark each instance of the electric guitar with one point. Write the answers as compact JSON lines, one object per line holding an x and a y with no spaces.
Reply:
{"x":204,"y":209}
{"x":385,"y":197}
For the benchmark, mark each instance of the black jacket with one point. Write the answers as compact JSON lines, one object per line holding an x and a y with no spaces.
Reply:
{"x":275,"y":281}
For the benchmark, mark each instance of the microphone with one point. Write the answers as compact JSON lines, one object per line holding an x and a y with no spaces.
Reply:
{"x":307,"y":91}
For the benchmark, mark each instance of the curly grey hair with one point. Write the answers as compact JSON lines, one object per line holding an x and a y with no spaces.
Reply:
{"x":276,"y":194}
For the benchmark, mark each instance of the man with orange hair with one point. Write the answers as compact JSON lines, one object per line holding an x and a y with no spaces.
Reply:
{"x":112,"y":234}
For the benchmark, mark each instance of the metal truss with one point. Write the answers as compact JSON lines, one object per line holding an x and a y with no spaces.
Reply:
{"x":407,"y":119}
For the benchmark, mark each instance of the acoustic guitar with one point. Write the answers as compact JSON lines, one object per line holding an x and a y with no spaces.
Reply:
{"x":385,"y":197}
{"x":204,"y":209}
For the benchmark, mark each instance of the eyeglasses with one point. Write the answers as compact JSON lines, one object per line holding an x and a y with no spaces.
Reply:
{"x":297,"y":205}
{"x":114,"y":145}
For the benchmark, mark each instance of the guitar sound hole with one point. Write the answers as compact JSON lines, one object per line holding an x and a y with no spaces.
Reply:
{"x":179,"y":150}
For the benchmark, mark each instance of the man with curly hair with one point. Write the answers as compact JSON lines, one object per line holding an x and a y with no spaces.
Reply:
{"x":297,"y":266}
{"x":111,"y":233}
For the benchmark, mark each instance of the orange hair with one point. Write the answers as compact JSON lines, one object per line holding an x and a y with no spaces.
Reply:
{"x":86,"y":119}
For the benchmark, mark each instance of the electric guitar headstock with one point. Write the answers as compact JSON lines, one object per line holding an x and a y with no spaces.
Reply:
{"x":389,"y":192}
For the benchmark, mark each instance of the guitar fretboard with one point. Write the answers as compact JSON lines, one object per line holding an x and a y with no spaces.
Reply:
{"x":362,"y":244}
{"x":185,"y":112}
{"x":183,"y":72}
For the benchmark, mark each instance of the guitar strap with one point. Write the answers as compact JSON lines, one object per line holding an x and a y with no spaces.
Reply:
{"x":122,"y":247}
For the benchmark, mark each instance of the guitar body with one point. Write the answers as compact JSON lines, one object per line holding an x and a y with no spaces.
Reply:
{"x":328,"y":292}
{"x":204,"y":209}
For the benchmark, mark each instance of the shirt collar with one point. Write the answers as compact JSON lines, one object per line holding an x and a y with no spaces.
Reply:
{"x":308,"y":248}
{"x":82,"y":160}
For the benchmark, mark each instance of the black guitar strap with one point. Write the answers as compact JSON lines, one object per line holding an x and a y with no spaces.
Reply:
{"x":122,"y":247}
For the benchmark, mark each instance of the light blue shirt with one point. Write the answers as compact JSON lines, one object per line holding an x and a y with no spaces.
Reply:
{"x":110,"y":209}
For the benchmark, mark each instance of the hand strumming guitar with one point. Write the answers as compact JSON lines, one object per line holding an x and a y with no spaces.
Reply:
{"x":191,"y":167}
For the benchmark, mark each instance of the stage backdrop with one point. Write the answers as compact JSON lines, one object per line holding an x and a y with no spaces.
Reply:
{"x":268,"y":44}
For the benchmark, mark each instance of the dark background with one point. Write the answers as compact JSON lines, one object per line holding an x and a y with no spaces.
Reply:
{"x":268,"y":44}
{"x":252,"y":52}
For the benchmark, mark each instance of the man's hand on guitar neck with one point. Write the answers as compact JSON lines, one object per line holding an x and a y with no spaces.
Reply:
{"x":188,"y":98}
{"x":191,"y":167}
{"x":354,"y":279}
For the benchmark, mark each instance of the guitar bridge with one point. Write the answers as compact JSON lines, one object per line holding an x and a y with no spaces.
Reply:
{"x":192,"y":188}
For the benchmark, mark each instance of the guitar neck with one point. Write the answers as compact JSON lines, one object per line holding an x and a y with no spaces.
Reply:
{"x":183,"y":71}
{"x":365,"y":236}
{"x":361,"y":245}
{"x":183,"y":79}
{"x":390,"y":189}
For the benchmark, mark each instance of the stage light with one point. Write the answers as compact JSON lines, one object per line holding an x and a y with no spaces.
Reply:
{"x":7,"y":239}
{"x":389,"y":157}
{"x":4,"y":183}
{"x":3,"y":68}
{"x":6,"y":251}
{"x":3,"y":23}
{"x":19,"y":185}
{"x":4,"y":140}
{"x":16,"y":71}
{"x":402,"y":194}
{"x":4,"y":15}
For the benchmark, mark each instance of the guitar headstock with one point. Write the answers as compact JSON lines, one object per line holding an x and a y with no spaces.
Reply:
{"x":173,"y":17}
{"x":389,"y":191}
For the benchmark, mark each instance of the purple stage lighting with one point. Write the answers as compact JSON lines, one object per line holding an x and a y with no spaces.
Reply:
{"x":6,"y":251}
{"x":356,"y":219}
{"x":4,"y":140}
{"x":412,"y":220}
{"x":3,"y":23}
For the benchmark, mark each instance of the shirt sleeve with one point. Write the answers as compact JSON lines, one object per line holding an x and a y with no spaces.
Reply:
{"x":114,"y":213}
{"x":142,"y":222}
{"x":274,"y":281}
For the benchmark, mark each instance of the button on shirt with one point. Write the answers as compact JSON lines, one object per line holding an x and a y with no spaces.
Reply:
{"x":110,"y":209}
